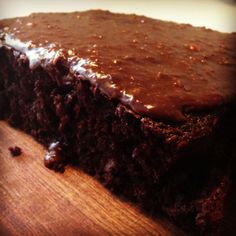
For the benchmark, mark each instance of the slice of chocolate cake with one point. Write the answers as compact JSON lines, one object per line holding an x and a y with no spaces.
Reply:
{"x":146,"y":106}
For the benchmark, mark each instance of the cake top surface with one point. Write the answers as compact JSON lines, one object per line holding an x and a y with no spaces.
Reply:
{"x":159,"y":69}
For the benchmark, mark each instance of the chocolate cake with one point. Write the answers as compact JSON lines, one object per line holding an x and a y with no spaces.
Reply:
{"x":146,"y":106}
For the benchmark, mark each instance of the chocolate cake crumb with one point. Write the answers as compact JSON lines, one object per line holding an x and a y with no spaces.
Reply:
{"x":54,"y":159}
{"x":15,"y":151}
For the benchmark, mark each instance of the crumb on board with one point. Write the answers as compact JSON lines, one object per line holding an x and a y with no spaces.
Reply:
{"x":15,"y":151}
{"x":54,"y":159}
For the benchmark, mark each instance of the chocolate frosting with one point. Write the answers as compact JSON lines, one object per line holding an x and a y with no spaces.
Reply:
{"x":159,"y":69}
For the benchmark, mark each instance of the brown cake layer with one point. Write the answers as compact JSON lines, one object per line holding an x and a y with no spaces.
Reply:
{"x":146,"y":106}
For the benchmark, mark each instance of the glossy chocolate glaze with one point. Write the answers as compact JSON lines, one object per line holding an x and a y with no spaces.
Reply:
{"x":159,"y":69}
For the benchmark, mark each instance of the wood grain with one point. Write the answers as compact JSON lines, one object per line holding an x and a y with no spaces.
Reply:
{"x":37,"y":201}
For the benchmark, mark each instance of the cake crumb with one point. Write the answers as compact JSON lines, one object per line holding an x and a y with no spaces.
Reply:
{"x":15,"y":151}
{"x":54,"y":158}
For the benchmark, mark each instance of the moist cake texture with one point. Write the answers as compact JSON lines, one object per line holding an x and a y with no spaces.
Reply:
{"x":146,"y":106}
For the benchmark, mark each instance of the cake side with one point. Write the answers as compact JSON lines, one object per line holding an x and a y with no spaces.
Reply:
{"x":133,"y":156}
{"x":169,"y":165}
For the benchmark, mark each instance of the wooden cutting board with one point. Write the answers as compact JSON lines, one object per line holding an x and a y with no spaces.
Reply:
{"x":37,"y":201}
